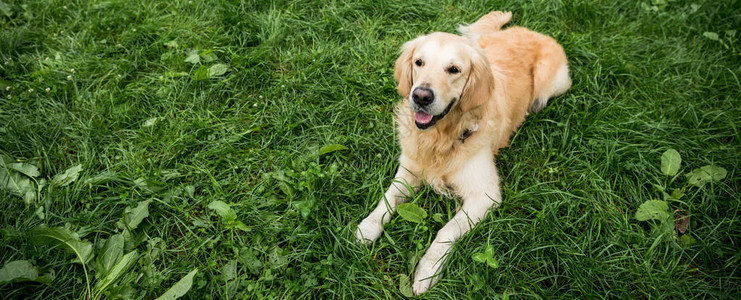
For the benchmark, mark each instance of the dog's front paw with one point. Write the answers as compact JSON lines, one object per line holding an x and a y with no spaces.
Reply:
{"x":428,"y":271}
{"x":368,"y":231}
{"x":421,"y":286}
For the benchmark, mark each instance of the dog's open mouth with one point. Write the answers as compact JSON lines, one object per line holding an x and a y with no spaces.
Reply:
{"x":424,"y":120}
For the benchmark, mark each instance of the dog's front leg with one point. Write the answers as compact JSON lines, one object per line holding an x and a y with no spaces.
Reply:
{"x":372,"y":226}
{"x":478,"y":184}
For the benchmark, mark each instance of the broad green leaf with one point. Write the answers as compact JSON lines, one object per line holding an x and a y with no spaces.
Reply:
{"x":201,"y":73}
{"x":716,"y":173}
{"x":653,"y":210}
{"x":705,"y":174}
{"x":65,"y":238}
{"x":25,"y":168}
{"x":180,"y":288}
{"x":239,"y":225}
{"x":208,"y":56}
{"x":331,"y":148}
{"x":305,"y":207}
{"x":133,"y":216}
{"x":676,"y":194}
{"x":224,"y":210}
{"x":6,"y":9}
{"x":109,"y":254}
{"x":40,"y":212}
{"x":492,"y":262}
{"x":193,"y":57}
{"x":711,"y":35}
{"x":405,"y":286}
{"x":670,"y":162}
{"x":16,"y":183}
{"x":217,"y":70}
{"x":411,"y":212}
{"x":69,"y":176}
{"x":229,"y":270}
{"x":479,"y":257}
{"x":119,"y":269}
{"x":438,"y":217}
{"x":686,"y":240}
{"x":249,"y":259}
{"x":149,"y":185}
{"x":489,"y":252}
{"x":150,"y":122}
{"x":17,"y":271}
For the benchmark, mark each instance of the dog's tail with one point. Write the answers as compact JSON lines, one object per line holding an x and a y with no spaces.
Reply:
{"x":491,"y":22}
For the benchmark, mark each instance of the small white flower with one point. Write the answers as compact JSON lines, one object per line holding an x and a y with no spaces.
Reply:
{"x":254,"y":105}
{"x":119,"y":75}
{"x":54,"y":35}
{"x":30,"y":90}
{"x":282,"y":85}
{"x":65,"y":7}
{"x":73,"y":71}
{"x":7,"y":88}
{"x":10,"y":97}
{"x":260,"y":97}
{"x":48,"y":90}
{"x":69,"y":77}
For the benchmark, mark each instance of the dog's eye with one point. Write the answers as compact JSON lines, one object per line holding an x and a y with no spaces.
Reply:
{"x":453,"y":70}
{"x":419,"y":62}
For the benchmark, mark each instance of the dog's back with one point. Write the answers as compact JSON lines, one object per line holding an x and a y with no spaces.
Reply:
{"x":533,"y":66}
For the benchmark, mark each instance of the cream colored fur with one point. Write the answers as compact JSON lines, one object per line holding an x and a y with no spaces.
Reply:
{"x":504,"y":75}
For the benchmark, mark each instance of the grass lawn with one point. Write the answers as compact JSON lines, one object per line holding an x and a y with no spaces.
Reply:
{"x":149,"y":139}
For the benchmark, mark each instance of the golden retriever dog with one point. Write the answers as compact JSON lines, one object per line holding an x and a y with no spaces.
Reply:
{"x":463,"y":97}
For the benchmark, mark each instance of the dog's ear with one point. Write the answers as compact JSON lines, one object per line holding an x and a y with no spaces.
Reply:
{"x":403,"y":72}
{"x":480,"y":85}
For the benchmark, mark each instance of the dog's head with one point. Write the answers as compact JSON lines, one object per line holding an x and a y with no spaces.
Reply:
{"x":440,"y":72}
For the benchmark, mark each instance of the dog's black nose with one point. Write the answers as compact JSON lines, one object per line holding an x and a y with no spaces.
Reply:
{"x":422,"y":96}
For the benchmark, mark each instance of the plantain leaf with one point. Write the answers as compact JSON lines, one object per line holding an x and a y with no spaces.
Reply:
{"x":217,"y":70}
{"x":69,"y":176}
{"x":14,"y":181}
{"x":331,"y":148}
{"x":18,"y":271}
{"x":111,"y":253}
{"x":709,"y":173}
{"x":711,"y":35}
{"x":133,"y":216}
{"x":492,"y":262}
{"x":201,"y":73}
{"x":479,"y":257}
{"x":411,"y":212}
{"x":25,"y":168}
{"x":305,"y":207}
{"x":405,"y":286}
{"x":224,"y":210}
{"x":61,"y":236}
{"x":179,"y":288}
{"x":670,"y":162}
{"x":193,"y":57}
{"x":653,"y":210}
{"x":119,"y":269}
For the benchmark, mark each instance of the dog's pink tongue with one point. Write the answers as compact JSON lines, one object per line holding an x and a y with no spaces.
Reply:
{"x":422,"y":118}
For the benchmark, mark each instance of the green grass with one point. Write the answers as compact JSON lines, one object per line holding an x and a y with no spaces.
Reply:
{"x":303,"y":75}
